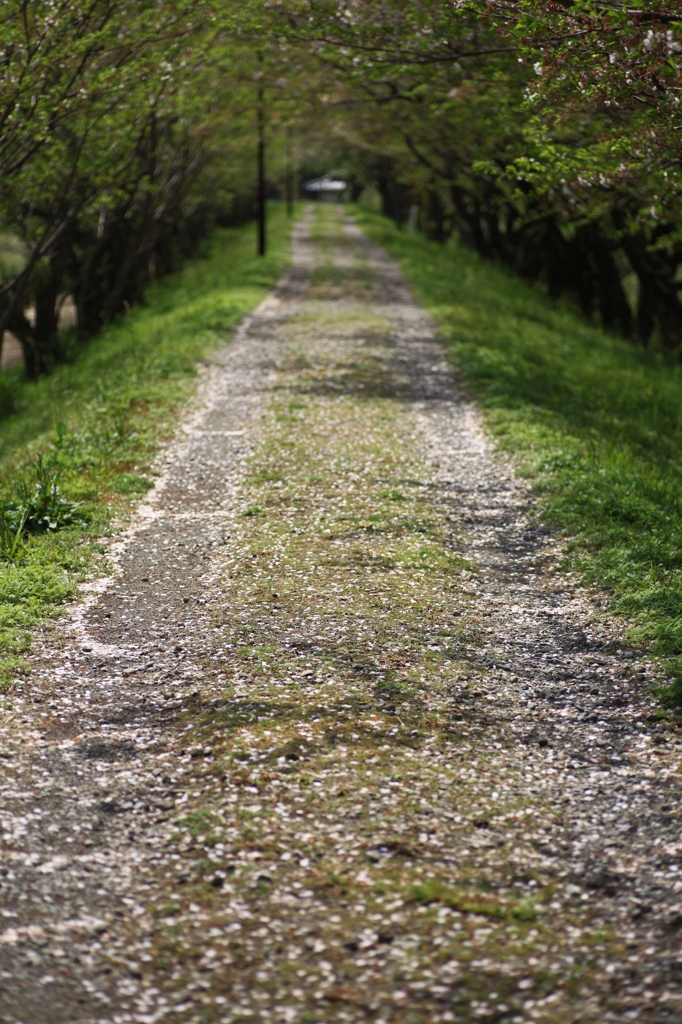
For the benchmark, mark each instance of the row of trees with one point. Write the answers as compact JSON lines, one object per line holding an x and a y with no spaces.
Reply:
{"x":546,"y":134}
{"x":126,"y":130}
{"x":96,"y":154}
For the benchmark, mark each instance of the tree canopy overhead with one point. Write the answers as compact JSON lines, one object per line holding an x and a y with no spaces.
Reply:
{"x":546,"y":134}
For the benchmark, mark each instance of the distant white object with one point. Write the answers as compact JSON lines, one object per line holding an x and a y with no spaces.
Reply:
{"x":326,"y":188}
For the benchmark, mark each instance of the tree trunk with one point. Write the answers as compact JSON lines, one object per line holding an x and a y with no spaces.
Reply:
{"x":659,"y":307}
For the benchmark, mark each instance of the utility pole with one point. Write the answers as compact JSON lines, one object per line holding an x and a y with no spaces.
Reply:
{"x":261,"y":163}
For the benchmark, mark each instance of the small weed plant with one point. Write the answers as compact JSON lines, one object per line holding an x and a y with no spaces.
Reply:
{"x":40,"y":506}
{"x":11,"y":536}
{"x":37,"y":507}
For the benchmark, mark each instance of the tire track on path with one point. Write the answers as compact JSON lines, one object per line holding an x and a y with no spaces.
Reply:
{"x":337,"y":742}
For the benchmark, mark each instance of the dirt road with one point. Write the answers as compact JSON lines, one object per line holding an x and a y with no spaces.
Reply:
{"x":336,"y":741}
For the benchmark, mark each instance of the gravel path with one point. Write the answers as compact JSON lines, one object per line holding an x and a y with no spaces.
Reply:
{"x":336,"y":741}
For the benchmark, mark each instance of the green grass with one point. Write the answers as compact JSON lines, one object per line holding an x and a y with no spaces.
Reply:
{"x":97,"y":422}
{"x":594,"y":421}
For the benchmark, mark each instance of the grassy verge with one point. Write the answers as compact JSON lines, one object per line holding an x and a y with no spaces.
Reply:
{"x":594,"y":421}
{"x":95,"y":424}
